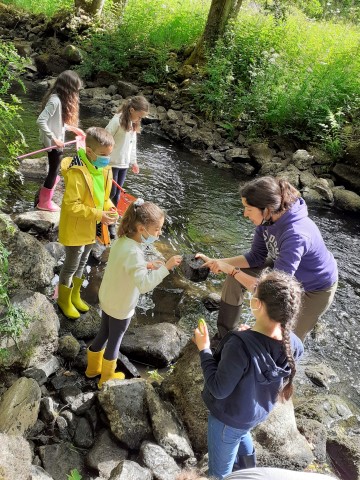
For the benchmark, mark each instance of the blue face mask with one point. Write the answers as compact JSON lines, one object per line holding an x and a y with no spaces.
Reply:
{"x":149,"y":240}
{"x":101,"y":161}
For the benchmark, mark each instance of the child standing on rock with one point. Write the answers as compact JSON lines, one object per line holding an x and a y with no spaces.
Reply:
{"x":249,"y":370}
{"x":85,"y":204}
{"x":124,"y":127}
{"x":126,"y":276}
{"x":60,"y":112}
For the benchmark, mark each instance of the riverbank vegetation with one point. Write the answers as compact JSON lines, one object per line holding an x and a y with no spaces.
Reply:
{"x":287,"y":68}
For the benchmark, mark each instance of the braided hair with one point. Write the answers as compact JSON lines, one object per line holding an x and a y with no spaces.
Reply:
{"x":139,"y":213}
{"x":281,"y":295}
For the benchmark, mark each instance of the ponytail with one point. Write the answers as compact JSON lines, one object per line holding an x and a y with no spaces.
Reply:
{"x":139,"y":213}
{"x":275,"y":194}
{"x":139,"y":104}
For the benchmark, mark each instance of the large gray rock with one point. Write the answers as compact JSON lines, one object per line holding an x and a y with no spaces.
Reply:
{"x":302,"y":159}
{"x":85,"y":328}
{"x":127,"y":89}
{"x":30,"y":264}
{"x":349,"y":175}
{"x":15,"y":457}
{"x":158,"y":461}
{"x":128,"y":470}
{"x":261,"y":153}
{"x":79,"y":402}
{"x":105,"y":455}
{"x":38,"y":341}
{"x":34,"y":167}
{"x":167,"y":427}
{"x":156,"y":345}
{"x":59,"y":459}
{"x":346,"y":200}
{"x":183,"y":386}
{"x":19,"y":407}
{"x":124,"y":403}
{"x":38,"y":221}
{"x":273,"y":447}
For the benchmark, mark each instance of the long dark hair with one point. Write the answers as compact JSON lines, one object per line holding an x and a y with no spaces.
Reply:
{"x":139,"y":104}
{"x":275,"y":194}
{"x":146,"y":213}
{"x":281,"y":295}
{"x":66,"y":87}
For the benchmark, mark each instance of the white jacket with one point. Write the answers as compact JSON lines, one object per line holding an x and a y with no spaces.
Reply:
{"x":50,"y":122}
{"x":124,"y":151}
{"x":125,"y":277}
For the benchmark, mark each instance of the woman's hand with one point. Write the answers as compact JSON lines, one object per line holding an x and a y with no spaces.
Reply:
{"x":203,"y":257}
{"x":173,"y":262}
{"x":202,"y":339}
{"x":135,"y":168}
{"x":218,"y":266}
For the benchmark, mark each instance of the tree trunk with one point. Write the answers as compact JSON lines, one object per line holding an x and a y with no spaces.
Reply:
{"x":221,"y":11}
{"x":91,"y":7}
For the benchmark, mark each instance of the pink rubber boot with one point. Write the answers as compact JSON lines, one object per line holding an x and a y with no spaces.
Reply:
{"x":45,"y":202}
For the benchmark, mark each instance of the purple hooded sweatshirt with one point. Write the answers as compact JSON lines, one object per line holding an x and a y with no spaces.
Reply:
{"x":296,"y":246}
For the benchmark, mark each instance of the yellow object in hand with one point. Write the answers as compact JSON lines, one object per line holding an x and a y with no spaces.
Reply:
{"x":202,"y":325}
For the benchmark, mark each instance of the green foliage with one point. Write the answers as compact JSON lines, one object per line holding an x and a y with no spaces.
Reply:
{"x":13,"y":319}
{"x":11,"y":139}
{"x":47,"y":7}
{"x":145,"y":36}
{"x":334,"y":137}
{"x":282,"y":77}
{"x":154,"y":375}
{"x":74,"y":475}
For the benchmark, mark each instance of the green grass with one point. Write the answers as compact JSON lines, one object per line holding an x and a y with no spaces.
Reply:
{"x":47,"y":7}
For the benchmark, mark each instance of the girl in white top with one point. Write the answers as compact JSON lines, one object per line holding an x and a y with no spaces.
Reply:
{"x":127,"y":275}
{"x":60,"y":112}
{"x":124,"y":126}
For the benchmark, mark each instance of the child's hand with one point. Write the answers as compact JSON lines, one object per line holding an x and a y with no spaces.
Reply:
{"x":135,"y":168}
{"x":155,"y":265}
{"x":113,"y":213}
{"x":173,"y":262}
{"x":76,"y":130}
{"x":58,"y":143}
{"x":202,"y":339}
{"x":107,"y":219}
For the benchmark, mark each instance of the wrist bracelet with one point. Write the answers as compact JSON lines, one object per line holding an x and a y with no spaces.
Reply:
{"x":235,"y":271}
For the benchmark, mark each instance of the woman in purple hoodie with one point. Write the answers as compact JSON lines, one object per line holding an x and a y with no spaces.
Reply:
{"x":285,"y":239}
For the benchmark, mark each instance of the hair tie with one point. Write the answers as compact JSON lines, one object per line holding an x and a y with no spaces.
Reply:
{"x":138,"y":203}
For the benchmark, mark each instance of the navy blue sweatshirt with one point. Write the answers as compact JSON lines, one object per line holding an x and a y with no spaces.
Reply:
{"x":244,"y":376}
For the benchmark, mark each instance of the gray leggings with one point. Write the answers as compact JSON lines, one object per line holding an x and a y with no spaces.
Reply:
{"x":111,"y":331}
{"x":74,"y":263}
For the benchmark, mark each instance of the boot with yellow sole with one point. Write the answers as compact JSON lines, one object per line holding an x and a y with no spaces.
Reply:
{"x":108,"y":372}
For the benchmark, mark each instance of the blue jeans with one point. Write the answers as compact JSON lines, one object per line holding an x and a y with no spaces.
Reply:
{"x":225,"y":444}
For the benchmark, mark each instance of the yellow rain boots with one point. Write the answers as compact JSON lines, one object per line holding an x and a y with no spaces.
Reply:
{"x":75,"y":296}
{"x":108,"y":372}
{"x":94,"y":363}
{"x":65,"y":303}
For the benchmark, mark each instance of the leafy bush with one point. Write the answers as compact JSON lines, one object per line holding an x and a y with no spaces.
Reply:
{"x":13,"y":319}
{"x":11,"y":139}
{"x":282,"y":77}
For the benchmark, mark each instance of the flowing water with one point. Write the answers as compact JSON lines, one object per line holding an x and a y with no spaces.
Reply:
{"x":204,"y":214}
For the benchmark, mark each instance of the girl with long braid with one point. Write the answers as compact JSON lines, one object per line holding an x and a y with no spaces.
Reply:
{"x":249,"y":371}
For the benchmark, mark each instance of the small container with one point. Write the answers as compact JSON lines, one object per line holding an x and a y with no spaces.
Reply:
{"x":193,"y":269}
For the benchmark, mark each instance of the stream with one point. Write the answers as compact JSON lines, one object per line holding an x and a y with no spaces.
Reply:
{"x":204,"y":213}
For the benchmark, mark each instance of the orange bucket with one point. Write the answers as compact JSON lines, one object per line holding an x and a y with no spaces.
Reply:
{"x":124,"y":201}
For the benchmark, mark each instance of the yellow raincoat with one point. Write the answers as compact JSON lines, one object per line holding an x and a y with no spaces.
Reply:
{"x":79,"y":215}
